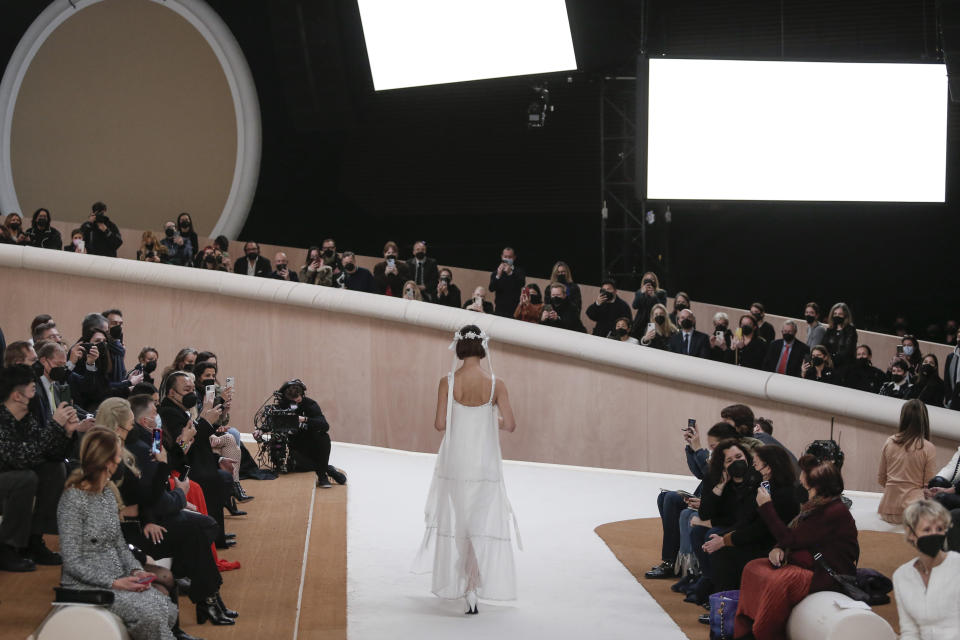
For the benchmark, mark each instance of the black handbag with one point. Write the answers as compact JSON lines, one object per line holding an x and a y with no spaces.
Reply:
{"x":103,"y":597}
{"x":850,"y":585}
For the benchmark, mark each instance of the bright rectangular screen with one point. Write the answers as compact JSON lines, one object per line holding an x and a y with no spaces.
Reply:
{"x":748,"y":130}
{"x":420,"y":42}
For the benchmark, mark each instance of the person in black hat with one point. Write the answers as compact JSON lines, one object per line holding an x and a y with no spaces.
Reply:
{"x":312,"y":441}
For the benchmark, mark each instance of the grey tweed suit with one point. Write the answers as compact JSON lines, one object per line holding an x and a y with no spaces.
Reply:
{"x":95,"y":554}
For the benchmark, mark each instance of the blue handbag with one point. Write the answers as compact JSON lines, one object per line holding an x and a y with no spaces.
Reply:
{"x":723,"y":610}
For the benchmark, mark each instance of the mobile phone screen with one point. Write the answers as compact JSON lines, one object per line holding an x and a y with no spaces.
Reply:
{"x":691,"y":424}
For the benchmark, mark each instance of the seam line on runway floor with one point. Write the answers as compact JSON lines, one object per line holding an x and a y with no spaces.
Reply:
{"x":303,"y":567}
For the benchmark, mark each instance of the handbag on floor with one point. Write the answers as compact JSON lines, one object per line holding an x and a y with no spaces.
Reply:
{"x":723,"y":610}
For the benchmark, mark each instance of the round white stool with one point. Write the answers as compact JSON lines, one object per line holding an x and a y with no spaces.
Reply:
{"x":818,"y":617}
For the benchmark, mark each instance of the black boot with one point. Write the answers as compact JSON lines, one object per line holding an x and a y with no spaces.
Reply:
{"x":233,"y":509}
{"x":38,"y":552}
{"x":210,"y":610}
{"x":337,"y":474}
{"x":323,"y":481}
{"x":240,"y":494}
{"x":230,"y":613}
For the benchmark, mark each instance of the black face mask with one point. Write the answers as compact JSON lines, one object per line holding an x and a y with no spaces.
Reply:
{"x":720,"y":327}
{"x":185,"y":226}
{"x":746,"y":330}
{"x":253,"y":256}
{"x":170,"y":232}
{"x":350,"y":267}
{"x":810,"y":319}
{"x":931,"y":545}
{"x":42,"y":223}
{"x":837,"y":322}
{"x":927,"y":370}
{"x":737,"y":469}
{"x":788,"y":337}
{"x":863,"y":362}
{"x":188,"y":368}
{"x":58,"y":374}
{"x":619,"y":333}
{"x":37,"y":368}
{"x":757,"y":317}
{"x":116,"y":332}
{"x":535,"y":298}
{"x":562,"y":278}
{"x":150,"y":367}
{"x":816,"y":361}
{"x":445,"y":281}
{"x":328,"y":252}
{"x":660,"y":319}
{"x":557,"y":301}
{"x":14,"y":226}
{"x":680,"y":307}
{"x":897,"y":378}
{"x":189,"y":401}
{"x":420,"y":255}
{"x":686,"y":323}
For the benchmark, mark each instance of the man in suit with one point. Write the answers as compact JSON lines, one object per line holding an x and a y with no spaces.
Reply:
{"x":56,"y":372}
{"x":506,"y":283}
{"x":424,"y":271}
{"x":688,"y":340}
{"x":786,"y":355}
{"x":252,"y":263}
{"x":951,"y":379}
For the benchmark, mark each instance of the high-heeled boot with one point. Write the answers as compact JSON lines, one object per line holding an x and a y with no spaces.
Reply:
{"x":232,"y":508}
{"x":230,"y":613}
{"x":240,"y":494}
{"x":471,"y":603}
{"x":210,"y":610}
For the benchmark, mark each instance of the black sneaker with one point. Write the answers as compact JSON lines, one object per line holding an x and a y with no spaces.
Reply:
{"x":662,"y":570}
{"x":38,"y":552}
{"x":323,"y":481}
{"x":10,"y":560}
{"x":338,"y":476}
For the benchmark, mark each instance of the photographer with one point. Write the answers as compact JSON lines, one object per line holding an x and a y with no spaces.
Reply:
{"x":447,"y":294}
{"x":391,"y":274}
{"x":531,"y":304}
{"x":185,"y":229}
{"x":56,"y":382}
{"x":226,"y":442}
{"x":331,"y":258}
{"x":41,"y":234}
{"x":281,"y":269}
{"x":355,"y":277}
{"x":607,"y":309}
{"x":721,"y":337}
{"x":423,"y":270}
{"x":506,"y":283}
{"x":648,"y":295}
{"x":179,"y":249}
{"x":479,"y":302}
{"x":312,"y":441}
{"x":561,"y":313}
{"x":100,"y":235}
{"x":314,"y":271}
{"x":147,"y":364}
{"x":150,"y":249}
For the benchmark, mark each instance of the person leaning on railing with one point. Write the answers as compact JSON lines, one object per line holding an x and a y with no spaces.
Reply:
{"x":314,"y":271}
{"x":657,"y":336}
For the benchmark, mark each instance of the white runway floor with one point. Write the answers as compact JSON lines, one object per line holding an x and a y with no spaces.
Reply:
{"x":570,"y":585}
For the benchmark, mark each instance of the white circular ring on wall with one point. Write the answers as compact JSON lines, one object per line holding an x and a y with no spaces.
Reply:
{"x":242,"y":89}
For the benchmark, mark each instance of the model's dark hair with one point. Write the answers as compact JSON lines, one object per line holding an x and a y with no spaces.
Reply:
{"x":781,"y":467}
{"x":718,"y":455}
{"x":824,"y":476}
{"x":470,"y":347}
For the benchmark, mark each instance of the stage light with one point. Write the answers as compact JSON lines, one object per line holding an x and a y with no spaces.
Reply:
{"x":537,"y":111}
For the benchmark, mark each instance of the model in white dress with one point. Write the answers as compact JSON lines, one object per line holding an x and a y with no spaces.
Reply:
{"x":467,"y":542}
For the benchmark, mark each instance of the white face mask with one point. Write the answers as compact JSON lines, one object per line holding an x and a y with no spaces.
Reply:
{"x":158,"y":423}
{"x":908,"y":350}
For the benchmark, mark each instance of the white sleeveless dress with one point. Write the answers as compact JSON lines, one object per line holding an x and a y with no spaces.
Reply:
{"x":468,"y":515}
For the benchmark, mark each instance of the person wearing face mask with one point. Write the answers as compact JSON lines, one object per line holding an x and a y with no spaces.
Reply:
{"x":330,"y":257}
{"x":681,"y":301}
{"x":423,"y":271}
{"x":117,"y":351}
{"x":747,"y":349}
{"x":391,"y":273}
{"x":185,"y":359}
{"x":561,"y":313}
{"x":55,"y":381}
{"x":621,"y":331}
{"x":900,"y":383}
{"x":840,"y":338}
{"x":909,"y":351}
{"x":353,"y":276}
{"x":645,"y":297}
{"x":689,"y":341}
{"x":785,"y":356}
{"x":314,"y":271}
{"x":311,"y":444}
{"x":819,"y":366}
{"x":100,"y":234}
{"x":926,"y":588}
{"x":14,"y":229}
{"x":226,"y":442}
{"x":411,"y":291}
{"x":147,"y":364}
{"x":659,"y":329}
{"x":720,"y":337}
{"x":907,"y":462}
{"x":178,"y":249}
{"x":77,"y":243}
{"x":862,"y":375}
{"x":187,"y":232}
{"x":447,"y":293}
{"x":928,"y":387}
{"x":41,"y":233}
{"x":252,"y":263}
{"x":815,"y":329}
{"x":281,"y":268}
{"x":763,"y":328}
{"x":607,"y":309}
{"x":771,"y":587}
{"x":561,"y":274}
{"x":151,"y":250}
{"x":506,"y":283}
{"x":531,"y":304}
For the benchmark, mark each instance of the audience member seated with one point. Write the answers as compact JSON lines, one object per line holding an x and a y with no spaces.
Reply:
{"x":820,"y":366}
{"x":815,"y":328}
{"x":607,"y":308}
{"x":185,"y":229}
{"x":281,"y":269}
{"x":226,"y":443}
{"x":561,"y":274}
{"x":100,"y":235}
{"x":740,"y":417}
{"x":531,"y":304}
{"x":747,"y":349}
{"x":951,"y":377}
{"x":391,"y":273}
{"x":41,"y":234}
{"x":720,"y":337}
{"x":899,"y":385}
{"x":787,"y":354}
{"x":862,"y":375}
{"x":314,"y":271}
{"x":353,"y":276}
{"x":763,"y":328}
{"x":31,"y":471}
{"x":688,"y":340}
{"x":19,"y":352}
{"x":55,"y":380}
{"x":840,"y":338}
{"x":621,"y":331}
{"x":928,"y":387}
{"x":252,"y":263}
{"x":15,"y":231}
{"x":211,"y":258}
{"x":763,"y":431}
{"x":771,"y":587}
{"x":926,"y":588}
{"x":222,"y":244}
{"x":185,"y":360}
{"x":945,"y":486}
{"x":331,"y":258}
{"x":423,"y":271}
{"x":411,"y":291}
{"x":147,"y":364}
{"x":447,"y":293}
{"x":658,"y":330}
{"x":559,"y":312}
{"x":506,"y":283}
{"x":479,"y":302}
{"x":47,"y":332}
{"x":177,"y":248}
{"x":77,"y":243}
{"x":911,"y":353}
{"x":151,"y":250}
{"x":907,"y":462}
{"x":681,"y":301}
{"x":95,"y":554}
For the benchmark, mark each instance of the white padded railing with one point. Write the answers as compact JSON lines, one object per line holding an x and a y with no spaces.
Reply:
{"x":805,"y":394}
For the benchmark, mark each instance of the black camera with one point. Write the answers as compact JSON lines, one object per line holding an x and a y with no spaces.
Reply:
{"x":606,"y":295}
{"x":100,"y":216}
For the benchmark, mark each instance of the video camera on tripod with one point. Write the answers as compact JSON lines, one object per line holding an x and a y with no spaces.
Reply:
{"x":276,"y":424}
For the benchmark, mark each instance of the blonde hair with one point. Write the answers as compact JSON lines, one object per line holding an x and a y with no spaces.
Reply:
{"x":114,"y":414}
{"x":920,"y":509}
{"x":553,"y":272}
{"x":666,"y":329}
{"x":416,"y":289}
{"x":97,"y":449}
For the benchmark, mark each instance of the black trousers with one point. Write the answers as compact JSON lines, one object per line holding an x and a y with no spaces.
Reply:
{"x":670,"y":504}
{"x":51,"y":477}
{"x":953,"y":535}
{"x":217,"y":487}
{"x":728,"y":564}
{"x":314,"y":445}
{"x":188,"y":539}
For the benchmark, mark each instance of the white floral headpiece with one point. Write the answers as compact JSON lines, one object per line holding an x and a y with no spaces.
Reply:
{"x":471,"y":335}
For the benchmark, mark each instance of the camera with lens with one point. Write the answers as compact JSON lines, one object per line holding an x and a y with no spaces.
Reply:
{"x":606,"y":295}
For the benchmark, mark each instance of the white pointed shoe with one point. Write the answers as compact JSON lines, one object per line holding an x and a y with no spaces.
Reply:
{"x":471,"y":599}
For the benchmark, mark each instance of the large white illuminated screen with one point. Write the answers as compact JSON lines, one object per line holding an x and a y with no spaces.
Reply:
{"x":420,"y":42}
{"x":747,"y":130}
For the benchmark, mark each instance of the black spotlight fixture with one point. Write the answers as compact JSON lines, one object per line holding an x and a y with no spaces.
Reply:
{"x":537,"y":111}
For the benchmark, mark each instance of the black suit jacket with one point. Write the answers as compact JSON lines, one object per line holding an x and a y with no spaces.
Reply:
{"x":794,"y":362}
{"x":263,"y":268}
{"x":951,"y":394}
{"x":699,"y":344}
{"x":431,"y":273}
{"x":201,"y":458}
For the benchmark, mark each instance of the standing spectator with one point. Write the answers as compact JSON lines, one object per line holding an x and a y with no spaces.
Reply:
{"x":863,"y":376}
{"x":506,"y":283}
{"x":76,"y":244}
{"x":840,"y":338}
{"x":907,"y":462}
{"x":621,"y":331}
{"x":820,"y":366}
{"x":607,"y":308}
{"x":747,"y":348}
{"x":561,"y":274}
{"x":929,"y":387}
{"x":659,"y":329}
{"x":147,"y":364}
{"x":100,"y":234}
{"x":178,"y":248}
{"x":764,"y":329}
{"x":185,"y":228}
{"x":41,"y":234}
{"x":330,"y":256}
{"x":447,"y":294}
{"x":391,"y":273}
{"x":531,"y":304}
{"x":899,"y":384}
{"x":281,"y":269}
{"x":423,"y":271}
{"x":688,"y":340}
{"x":721,"y":337}
{"x":561,"y":313}
{"x":950,"y":330}
{"x":787,"y":354}
{"x":645,"y":297}
{"x":681,"y":301}
{"x":14,"y":225}
{"x":479,"y":302}
{"x":951,"y":376}
{"x":150,"y":248}
{"x":314,"y":271}
{"x":252,"y":263}
{"x":355,"y":277}
{"x":815,"y":329}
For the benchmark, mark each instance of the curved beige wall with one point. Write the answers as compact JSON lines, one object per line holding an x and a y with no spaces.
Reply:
{"x":125,"y":103}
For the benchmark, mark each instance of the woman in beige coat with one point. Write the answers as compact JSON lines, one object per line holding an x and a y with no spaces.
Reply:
{"x":907,"y":462}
